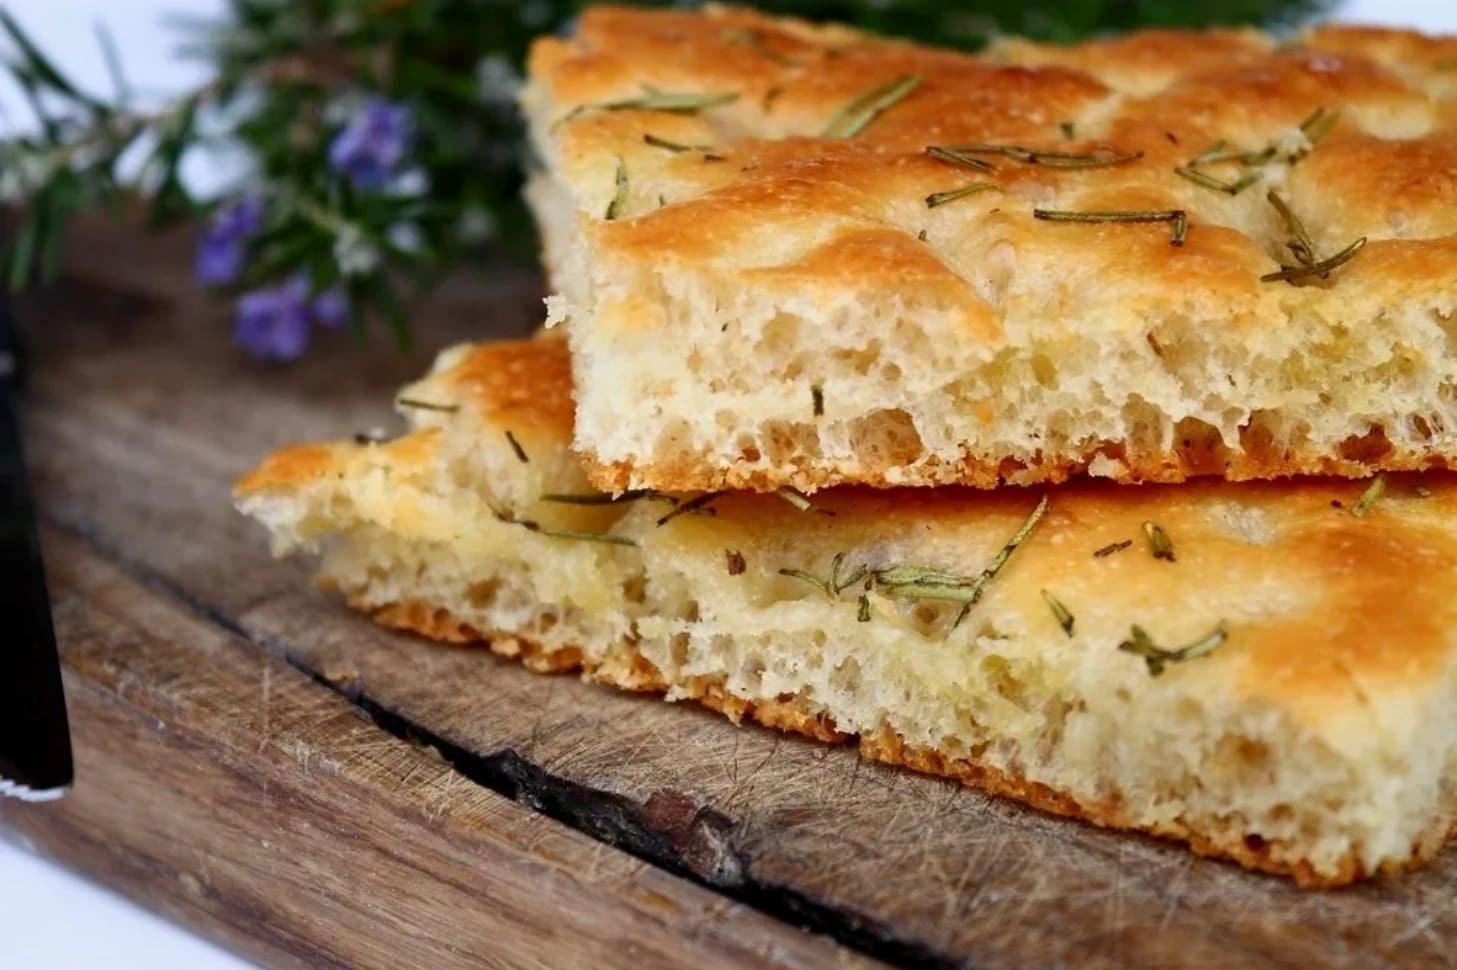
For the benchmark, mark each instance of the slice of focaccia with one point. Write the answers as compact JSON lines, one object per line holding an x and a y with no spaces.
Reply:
{"x":796,"y":255}
{"x":1265,"y":671}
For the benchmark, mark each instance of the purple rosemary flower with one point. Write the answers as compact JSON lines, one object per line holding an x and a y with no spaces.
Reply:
{"x":331,"y":308}
{"x":219,"y":257}
{"x":273,"y":324}
{"x":371,"y":146}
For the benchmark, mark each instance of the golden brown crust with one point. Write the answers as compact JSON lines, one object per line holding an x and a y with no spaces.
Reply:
{"x":628,"y":670}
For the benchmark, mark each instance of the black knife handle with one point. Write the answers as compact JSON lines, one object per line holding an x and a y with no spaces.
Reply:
{"x":35,"y":740}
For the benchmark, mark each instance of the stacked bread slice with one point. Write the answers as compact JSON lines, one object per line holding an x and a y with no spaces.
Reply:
{"x":789,"y":257}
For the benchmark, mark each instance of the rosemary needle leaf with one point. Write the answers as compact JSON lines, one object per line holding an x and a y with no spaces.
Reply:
{"x":1322,"y":269}
{"x":810,"y":578}
{"x":607,"y":498}
{"x":941,"y":198}
{"x":1157,"y":657}
{"x":863,"y":612}
{"x":532,"y":526}
{"x":1178,"y":217}
{"x":736,"y":564}
{"x":1368,"y":498}
{"x":574,"y":534}
{"x":817,"y":400}
{"x":1051,"y":159}
{"x":1065,"y":619}
{"x":619,"y":195}
{"x":794,"y":497}
{"x":1159,"y":542}
{"x":1303,"y":242}
{"x":1111,"y":548}
{"x":650,"y":139}
{"x":410,"y":402}
{"x":957,"y":157}
{"x":867,"y":106}
{"x":1218,"y":185}
{"x":754,"y":40}
{"x":516,"y":447}
{"x":1318,"y":123}
{"x":1068,"y":130}
{"x":693,"y":505}
{"x":653,"y":99}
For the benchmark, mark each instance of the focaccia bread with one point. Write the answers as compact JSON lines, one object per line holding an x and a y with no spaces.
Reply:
{"x":1264,"y":671}
{"x":797,"y":255}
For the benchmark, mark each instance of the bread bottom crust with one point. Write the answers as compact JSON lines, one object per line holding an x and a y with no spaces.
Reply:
{"x":627,"y":669}
{"x":1358,"y":457}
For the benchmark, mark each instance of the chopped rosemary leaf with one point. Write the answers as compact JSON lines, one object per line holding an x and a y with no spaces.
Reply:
{"x":1301,"y":245}
{"x":941,"y":198}
{"x":607,"y":498}
{"x":568,"y":116}
{"x":1157,"y":657}
{"x":1051,"y":159}
{"x":1318,"y":123}
{"x":926,"y":582}
{"x":619,"y":195}
{"x":817,"y":400}
{"x":819,"y":584}
{"x":1067,"y":130}
{"x":1218,"y":185}
{"x":957,"y":157}
{"x":1210,"y":154}
{"x":867,"y":106}
{"x":794,"y":497}
{"x":754,"y":40}
{"x":516,"y":447}
{"x":1368,"y":498}
{"x":921,"y":235}
{"x":374,"y":436}
{"x":862,"y":613}
{"x":410,"y":402}
{"x":653,"y":99}
{"x":695,"y":506}
{"x":841,"y":583}
{"x":736,"y":564}
{"x":532,"y":526}
{"x":1111,"y":548}
{"x":1158,"y":541}
{"x":1322,"y":269}
{"x":1178,"y":217}
{"x":672,"y":146}
{"x":1064,"y":618}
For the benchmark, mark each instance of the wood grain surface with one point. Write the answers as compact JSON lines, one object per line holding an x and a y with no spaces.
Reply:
{"x":260,"y":763}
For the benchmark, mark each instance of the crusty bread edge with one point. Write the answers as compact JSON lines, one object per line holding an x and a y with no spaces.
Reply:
{"x":627,"y":669}
{"x":1359,"y":458}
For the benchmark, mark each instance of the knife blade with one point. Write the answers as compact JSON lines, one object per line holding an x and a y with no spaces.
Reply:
{"x":35,"y":737}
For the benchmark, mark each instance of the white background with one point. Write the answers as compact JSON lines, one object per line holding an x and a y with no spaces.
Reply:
{"x":49,"y":918}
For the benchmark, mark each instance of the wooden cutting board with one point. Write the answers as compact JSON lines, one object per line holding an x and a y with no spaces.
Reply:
{"x":266,"y":767}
